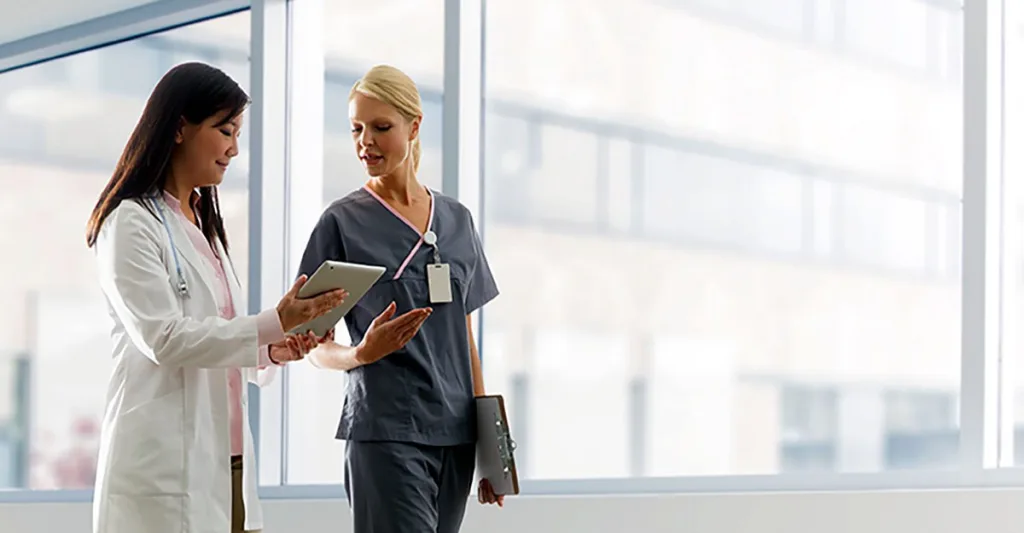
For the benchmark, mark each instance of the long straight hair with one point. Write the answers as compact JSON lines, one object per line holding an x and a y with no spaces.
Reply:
{"x":192,"y":92}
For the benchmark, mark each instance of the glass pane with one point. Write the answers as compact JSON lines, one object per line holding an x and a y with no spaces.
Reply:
{"x":746,"y":259}
{"x":315,"y":397}
{"x":61,"y":131}
{"x":891,"y":30}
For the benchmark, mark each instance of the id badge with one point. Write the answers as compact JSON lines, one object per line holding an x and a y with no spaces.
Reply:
{"x":439,"y":282}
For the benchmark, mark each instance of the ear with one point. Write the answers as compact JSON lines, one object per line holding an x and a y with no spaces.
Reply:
{"x":414,"y":130}
{"x":179,"y":135}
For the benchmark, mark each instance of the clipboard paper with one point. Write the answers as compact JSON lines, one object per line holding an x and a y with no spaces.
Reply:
{"x":495,"y":449}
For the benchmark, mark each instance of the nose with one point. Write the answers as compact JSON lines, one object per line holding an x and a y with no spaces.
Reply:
{"x":365,"y":138}
{"x":233,"y":149}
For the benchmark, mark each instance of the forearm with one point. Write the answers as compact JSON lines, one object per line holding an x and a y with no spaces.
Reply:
{"x":478,"y":371}
{"x":333,"y":356}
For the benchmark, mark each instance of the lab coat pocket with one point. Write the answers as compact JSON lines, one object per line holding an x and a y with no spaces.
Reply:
{"x":148,"y":457}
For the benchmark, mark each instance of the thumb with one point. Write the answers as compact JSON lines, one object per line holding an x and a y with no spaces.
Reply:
{"x":386,"y":315}
{"x":294,"y":291}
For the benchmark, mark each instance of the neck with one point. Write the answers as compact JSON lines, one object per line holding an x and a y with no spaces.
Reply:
{"x":400,"y":186}
{"x":183,"y":192}
{"x":178,"y":189}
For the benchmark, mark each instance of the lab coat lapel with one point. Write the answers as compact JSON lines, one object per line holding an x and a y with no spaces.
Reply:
{"x":234,"y":285}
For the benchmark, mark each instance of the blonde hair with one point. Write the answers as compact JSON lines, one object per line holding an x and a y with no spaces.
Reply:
{"x":395,"y":88}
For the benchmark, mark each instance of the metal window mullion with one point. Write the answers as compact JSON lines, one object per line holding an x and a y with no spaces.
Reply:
{"x":462,"y":143}
{"x":981,"y":236}
{"x":462,"y":140}
{"x":267,"y":187}
{"x":304,"y":176}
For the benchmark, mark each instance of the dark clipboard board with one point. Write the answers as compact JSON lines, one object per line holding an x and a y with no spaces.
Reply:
{"x":495,"y":452}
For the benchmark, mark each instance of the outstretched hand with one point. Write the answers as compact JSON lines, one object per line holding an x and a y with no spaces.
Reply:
{"x":387,"y":334}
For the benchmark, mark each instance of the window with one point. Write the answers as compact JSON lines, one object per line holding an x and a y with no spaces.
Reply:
{"x":809,"y":428}
{"x":62,"y":128}
{"x":576,"y":386}
{"x":892,"y":30}
{"x":921,"y":428}
{"x":837,"y":179}
{"x":722,"y":201}
{"x":314,"y":397}
{"x":348,"y":57}
{"x":885,"y":228}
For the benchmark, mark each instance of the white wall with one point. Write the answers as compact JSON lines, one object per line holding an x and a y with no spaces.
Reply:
{"x":954,"y":511}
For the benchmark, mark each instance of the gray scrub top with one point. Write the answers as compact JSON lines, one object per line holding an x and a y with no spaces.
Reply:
{"x":422,"y":393}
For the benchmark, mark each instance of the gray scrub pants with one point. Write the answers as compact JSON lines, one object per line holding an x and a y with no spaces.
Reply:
{"x":401,"y":487}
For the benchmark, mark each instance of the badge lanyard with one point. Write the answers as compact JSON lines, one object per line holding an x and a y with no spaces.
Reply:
{"x":439,"y":275}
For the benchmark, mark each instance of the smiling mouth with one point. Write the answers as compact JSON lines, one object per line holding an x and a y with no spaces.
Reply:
{"x":223,"y":166}
{"x":371,"y":159}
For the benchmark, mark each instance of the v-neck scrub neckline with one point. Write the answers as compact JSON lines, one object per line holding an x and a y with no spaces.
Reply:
{"x":399,"y":216}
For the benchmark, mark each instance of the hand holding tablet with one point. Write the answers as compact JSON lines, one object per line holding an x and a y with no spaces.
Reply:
{"x":294,"y":311}
{"x":354,"y":278}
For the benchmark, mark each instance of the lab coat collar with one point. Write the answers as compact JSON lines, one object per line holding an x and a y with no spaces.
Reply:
{"x":183,"y":243}
{"x":229,"y":269}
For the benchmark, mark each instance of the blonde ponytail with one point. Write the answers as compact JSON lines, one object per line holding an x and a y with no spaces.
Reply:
{"x":416,"y":150}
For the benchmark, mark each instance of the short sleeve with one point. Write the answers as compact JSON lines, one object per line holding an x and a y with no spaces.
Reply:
{"x":325,"y":244}
{"x":481,"y":287}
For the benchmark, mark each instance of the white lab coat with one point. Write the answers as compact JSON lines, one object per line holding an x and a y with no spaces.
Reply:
{"x":164,"y":460}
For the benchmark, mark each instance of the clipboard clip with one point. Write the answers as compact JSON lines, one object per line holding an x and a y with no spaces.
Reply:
{"x":506,"y":446}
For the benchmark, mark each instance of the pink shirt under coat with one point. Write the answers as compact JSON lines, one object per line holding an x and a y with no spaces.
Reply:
{"x":268,"y":323}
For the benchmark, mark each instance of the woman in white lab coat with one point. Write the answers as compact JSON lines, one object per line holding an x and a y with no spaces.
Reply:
{"x":176,"y":453}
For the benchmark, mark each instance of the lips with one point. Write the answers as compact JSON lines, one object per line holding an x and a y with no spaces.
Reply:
{"x":372,"y":159}
{"x":223,"y":166}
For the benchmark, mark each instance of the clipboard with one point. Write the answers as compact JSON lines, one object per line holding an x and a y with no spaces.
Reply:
{"x":495,"y":449}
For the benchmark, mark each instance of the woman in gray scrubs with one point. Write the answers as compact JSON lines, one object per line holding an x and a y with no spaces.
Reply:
{"x":409,"y":413}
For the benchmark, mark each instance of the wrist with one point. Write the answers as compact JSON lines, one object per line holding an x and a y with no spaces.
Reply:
{"x":285,"y":326}
{"x":361,"y":354}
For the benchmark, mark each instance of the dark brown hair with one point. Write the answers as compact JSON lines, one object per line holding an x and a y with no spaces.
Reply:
{"x":193,"y":92}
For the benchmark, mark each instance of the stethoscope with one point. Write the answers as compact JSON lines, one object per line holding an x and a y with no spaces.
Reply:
{"x":182,"y":284}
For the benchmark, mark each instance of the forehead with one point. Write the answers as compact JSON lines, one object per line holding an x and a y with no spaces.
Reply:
{"x":366,"y":108}
{"x":219,"y":117}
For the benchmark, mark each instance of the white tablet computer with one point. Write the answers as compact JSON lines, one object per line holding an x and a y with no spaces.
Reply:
{"x":354,"y":278}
